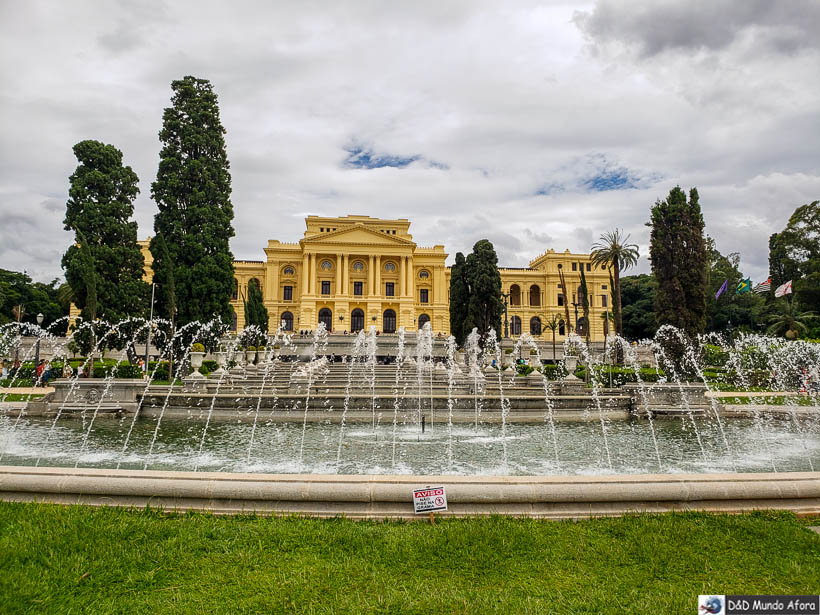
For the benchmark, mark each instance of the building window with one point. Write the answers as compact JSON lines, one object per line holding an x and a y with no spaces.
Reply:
{"x":288,"y":271}
{"x":321,"y":229}
{"x":603,"y":301}
{"x":535,"y":325}
{"x":326,"y":318}
{"x":233,"y":322}
{"x":389,"y":267}
{"x":423,"y":295}
{"x":515,"y":326}
{"x":235,"y":293}
{"x":357,"y":288}
{"x":515,"y":295}
{"x":287,"y":294}
{"x":581,"y":326}
{"x":562,"y":329}
{"x":424,"y":274}
{"x":589,"y":267}
{"x":603,"y":286}
{"x":423,"y":319}
{"x":535,"y":295}
{"x":356,"y":320}
{"x":560,"y":266}
{"x":287,"y":321}
{"x":560,"y":300}
{"x":358,"y":266}
{"x":389,"y":325}
{"x":325,"y":287}
{"x":388,"y":289}
{"x":575,"y":266}
{"x":326,"y":265}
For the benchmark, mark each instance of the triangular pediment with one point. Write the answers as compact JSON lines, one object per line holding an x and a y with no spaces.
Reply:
{"x":358,"y":234}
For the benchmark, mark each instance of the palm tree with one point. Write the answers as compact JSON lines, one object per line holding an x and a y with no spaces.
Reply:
{"x":552,"y":324}
{"x":614,"y":251}
{"x":789,"y":320}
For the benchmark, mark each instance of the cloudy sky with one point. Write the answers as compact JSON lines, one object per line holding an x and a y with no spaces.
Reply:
{"x":535,"y":124}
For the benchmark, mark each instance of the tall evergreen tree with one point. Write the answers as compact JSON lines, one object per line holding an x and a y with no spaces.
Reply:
{"x":678,"y":253}
{"x":192,"y":192}
{"x":98,"y":210}
{"x":459,"y":299}
{"x":256,"y":313}
{"x":484,"y":279}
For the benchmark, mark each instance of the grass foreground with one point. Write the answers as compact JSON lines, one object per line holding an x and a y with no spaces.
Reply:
{"x":106,"y":560}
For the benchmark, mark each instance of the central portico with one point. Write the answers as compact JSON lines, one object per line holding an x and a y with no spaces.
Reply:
{"x":351,"y":273}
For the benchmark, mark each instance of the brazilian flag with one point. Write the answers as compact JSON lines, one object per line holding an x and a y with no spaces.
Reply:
{"x":744,"y":286}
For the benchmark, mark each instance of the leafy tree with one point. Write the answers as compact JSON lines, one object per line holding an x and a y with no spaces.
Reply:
{"x":617,"y":254}
{"x":99,"y":211}
{"x":192,"y":192}
{"x":639,"y":306}
{"x":794,"y":254}
{"x":678,"y":253}
{"x":459,"y":299}
{"x":741,"y":310}
{"x":484,"y":279}
{"x":256,"y":314}
{"x":789,"y":319}
{"x":18,"y":290}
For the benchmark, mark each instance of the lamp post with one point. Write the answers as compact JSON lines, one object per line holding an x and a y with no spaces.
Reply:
{"x":150,"y":324}
{"x":505,"y":297}
{"x":37,"y":346}
{"x":575,"y":304}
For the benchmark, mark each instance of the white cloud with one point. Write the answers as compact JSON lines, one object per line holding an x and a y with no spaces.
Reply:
{"x":506,"y":99}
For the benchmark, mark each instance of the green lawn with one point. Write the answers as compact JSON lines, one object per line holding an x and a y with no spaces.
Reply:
{"x":85,"y":560}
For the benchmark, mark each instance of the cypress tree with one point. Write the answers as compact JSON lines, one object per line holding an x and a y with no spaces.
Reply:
{"x":459,"y":298}
{"x":104,"y":266}
{"x":192,"y":192}
{"x":679,"y":258}
{"x":256,"y":313}
{"x":485,"y":307}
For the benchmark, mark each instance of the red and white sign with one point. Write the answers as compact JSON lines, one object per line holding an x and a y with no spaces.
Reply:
{"x":429,"y":499}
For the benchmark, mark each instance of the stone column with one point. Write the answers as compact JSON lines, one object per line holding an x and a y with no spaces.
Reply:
{"x":345,"y":274}
{"x":410,"y":279}
{"x":371,"y":290}
{"x":339,"y":267}
{"x":312,"y":288}
{"x":377,"y":272}
{"x":305,"y":273}
{"x":403,"y":277}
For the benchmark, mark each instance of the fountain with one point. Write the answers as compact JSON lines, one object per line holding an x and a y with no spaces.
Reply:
{"x":302,"y":431}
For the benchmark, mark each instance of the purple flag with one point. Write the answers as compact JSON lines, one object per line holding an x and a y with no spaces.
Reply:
{"x":721,"y":289}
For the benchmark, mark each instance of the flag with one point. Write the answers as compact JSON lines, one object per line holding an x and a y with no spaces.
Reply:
{"x":786,"y":289}
{"x":723,"y":287}
{"x":744,"y":286}
{"x":763,"y":287}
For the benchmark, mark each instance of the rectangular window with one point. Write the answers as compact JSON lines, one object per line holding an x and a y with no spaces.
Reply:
{"x":423,"y":296}
{"x":388,"y":289}
{"x":287,"y":293}
{"x":560,"y":300}
{"x":603,"y":301}
{"x":575,"y":266}
{"x":357,"y":288}
{"x":325,"y":287}
{"x":603,"y":286}
{"x":589,"y":267}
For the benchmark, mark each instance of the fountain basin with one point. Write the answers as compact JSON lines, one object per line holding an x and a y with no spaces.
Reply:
{"x":389,"y":497}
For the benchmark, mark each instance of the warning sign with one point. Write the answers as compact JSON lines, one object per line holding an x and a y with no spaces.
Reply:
{"x":429,"y":499}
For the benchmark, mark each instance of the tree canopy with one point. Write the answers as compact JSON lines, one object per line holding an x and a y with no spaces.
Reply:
{"x":794,"y":254}
{"x":18,"y":290}
{"x":741,"y":310}
{"x":616,"y":253}
{"x":485,"y":307}
{"x":638,"y":295}
{"x":459,"y":299}
{"x":192,"y":192}
{"x":678,"y":254}
{"x":256,"y":314}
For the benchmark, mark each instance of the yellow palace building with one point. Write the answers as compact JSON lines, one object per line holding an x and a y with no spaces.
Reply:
{"x":356,"y":271}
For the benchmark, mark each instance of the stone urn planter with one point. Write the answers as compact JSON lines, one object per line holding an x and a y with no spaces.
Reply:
{"x":249,"y":356}
{"x":196,"y":359}
{"x":571,"y":363}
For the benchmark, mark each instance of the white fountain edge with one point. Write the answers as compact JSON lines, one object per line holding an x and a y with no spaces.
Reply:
{"x":389,"y":496}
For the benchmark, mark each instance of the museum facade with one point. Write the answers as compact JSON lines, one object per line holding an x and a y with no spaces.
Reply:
{"x":354,"y":272}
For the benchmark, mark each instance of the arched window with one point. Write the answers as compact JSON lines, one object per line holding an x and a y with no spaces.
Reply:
{"x":326,"y":316}
{"x":515,"y":326}
{"x":535,"y":325}
{"x":288,"y":271}
{"x":326,"y":265}
{"x":286,"y":321}
{"x":233,"y":322}
{"x":254,"y":282}
{"x":356,"y":320}
{"x":423,"y":319}
{"x":581,"y":326}
{"x":389,"y":325}
{"x":389,"y":267}
{"x":423,"y":275}
{"x":535,"y":295}
{"x":235,"y":293}
{"x":515,"y":295}
{"x":562,"y":329}
{"x":358,"y":266}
